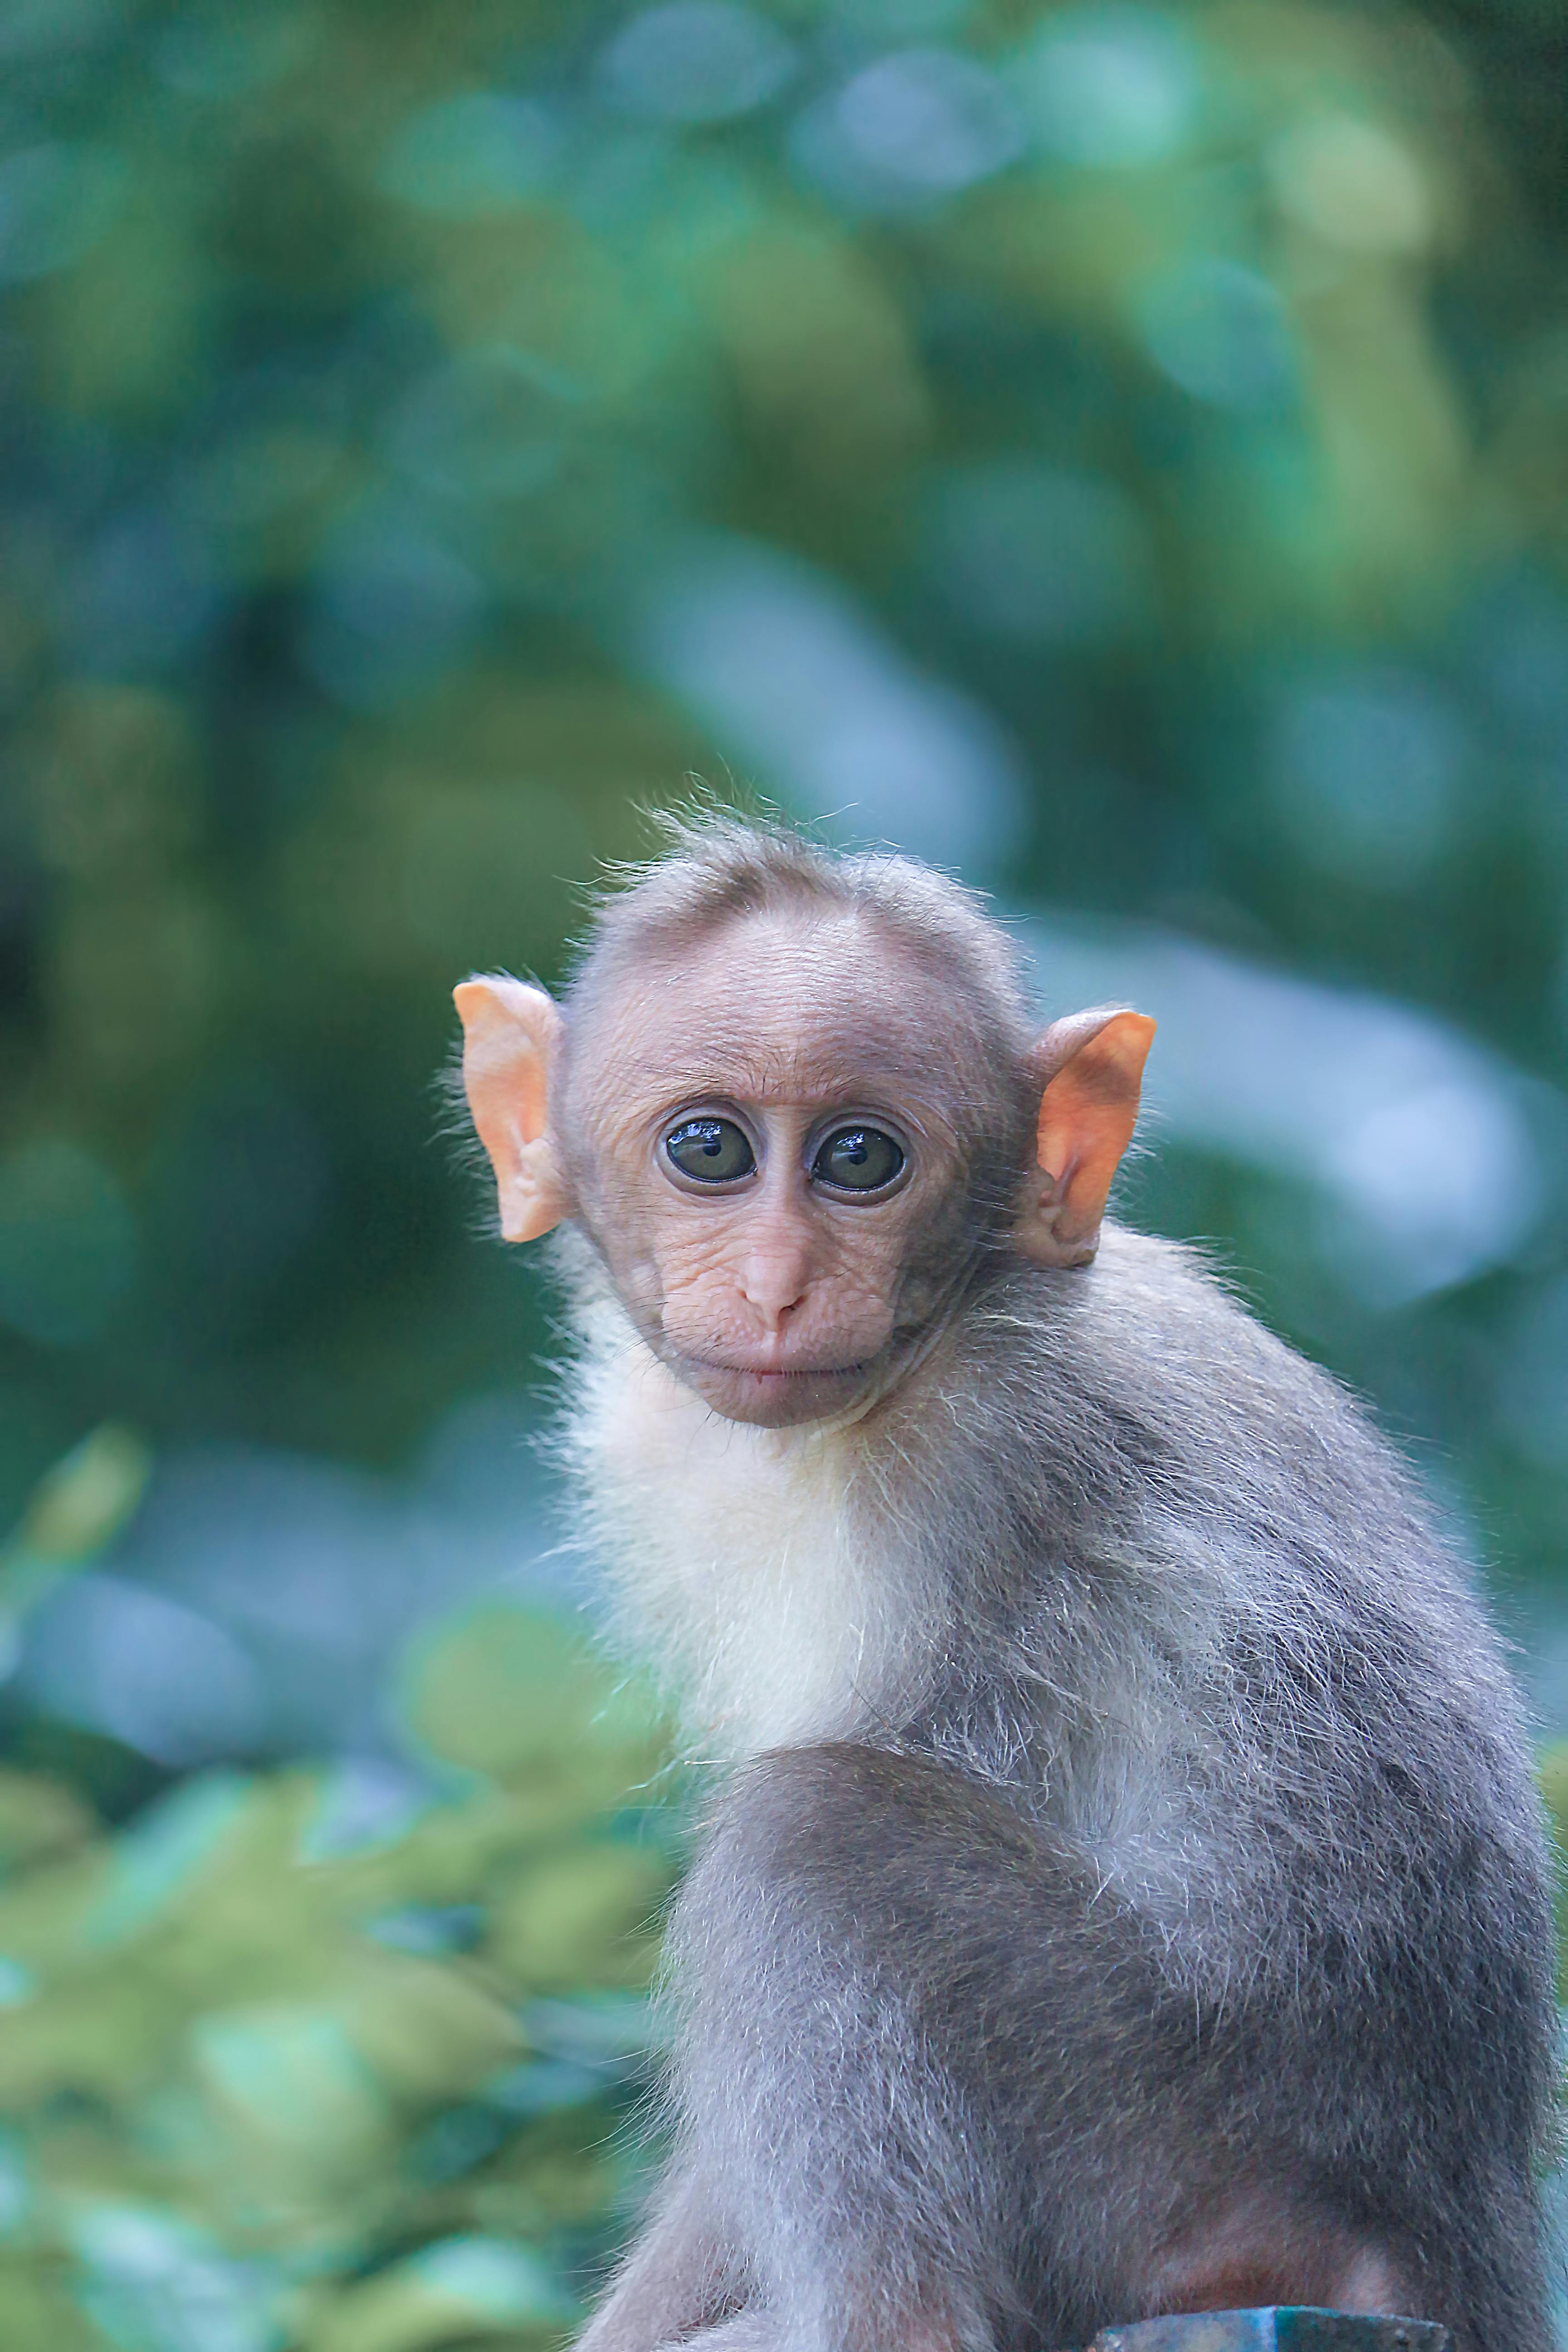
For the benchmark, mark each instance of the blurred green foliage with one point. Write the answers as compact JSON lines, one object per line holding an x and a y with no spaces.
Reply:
{"x":290,"y":2062}
{"x":366,"y":370}
{"x":1120,"y":447}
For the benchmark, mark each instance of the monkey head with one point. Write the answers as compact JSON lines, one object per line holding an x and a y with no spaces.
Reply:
{"x":792,"y":1136}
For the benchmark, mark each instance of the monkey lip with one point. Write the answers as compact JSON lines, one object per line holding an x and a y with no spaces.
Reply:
{"x":774,"y":1396}
{"x":775,"y":1372}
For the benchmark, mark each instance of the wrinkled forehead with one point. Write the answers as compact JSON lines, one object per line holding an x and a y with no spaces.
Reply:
{"x":804,"y":1008}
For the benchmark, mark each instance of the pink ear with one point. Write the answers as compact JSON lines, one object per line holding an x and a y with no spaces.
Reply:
{"x":510,"y":1035}
{"x":1088,"y":1113}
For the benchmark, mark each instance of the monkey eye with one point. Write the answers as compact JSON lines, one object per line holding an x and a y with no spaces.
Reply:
{"x":712,"y":1150}
{"x":858,"y":1159}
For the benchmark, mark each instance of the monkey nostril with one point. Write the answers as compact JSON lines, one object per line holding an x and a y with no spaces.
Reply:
{"x":773,"y":1312}
{"x":772,"y":1294}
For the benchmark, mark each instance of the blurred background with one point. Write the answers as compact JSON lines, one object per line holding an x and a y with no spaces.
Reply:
{"x":1117,"y":451}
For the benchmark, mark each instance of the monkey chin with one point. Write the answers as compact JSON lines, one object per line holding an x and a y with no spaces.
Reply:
{"x":775,"y":1400}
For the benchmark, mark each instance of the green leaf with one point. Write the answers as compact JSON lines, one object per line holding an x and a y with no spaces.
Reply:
{"x":459,"y":2290}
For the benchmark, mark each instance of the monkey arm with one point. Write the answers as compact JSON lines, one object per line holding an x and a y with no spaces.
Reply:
{"x":680,"y":2277}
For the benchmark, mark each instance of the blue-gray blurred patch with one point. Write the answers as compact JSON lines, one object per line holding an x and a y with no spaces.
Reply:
{"x":1517,"y":637}
{"x":160,"y":1676}
{"x":42,"y":28}
{"x":1220,"y":333}
{"x":57,"y":200}
{"x":1368,"y":776}
{"x":596,"y":2029}
{"x":694,"y":61}
{"x":1038,"y":553}
{"x":256,"y":1605}
{"x":426,"y":1929}
{"x":143,"y":595}
{"x":907,"y":131}
{"x":364,"y":1804}
{"x":1429,"y":1158}
{"x":545,"y":2086}
{"x":391,"y":608}
{"x":795,"y":678}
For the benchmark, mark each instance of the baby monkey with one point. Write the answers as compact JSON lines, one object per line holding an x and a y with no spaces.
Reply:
{"x":1126,"y":1893}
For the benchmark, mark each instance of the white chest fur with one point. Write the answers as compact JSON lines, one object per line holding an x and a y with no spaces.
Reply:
{"x":741,"y":1564}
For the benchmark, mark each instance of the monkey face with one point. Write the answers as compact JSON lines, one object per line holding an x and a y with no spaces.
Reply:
{"x":771,"y":1166}
{"x":793,"y":1143}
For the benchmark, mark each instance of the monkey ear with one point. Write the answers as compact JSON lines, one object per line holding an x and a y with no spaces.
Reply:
{"x":1092,"y":1063}
{"x":509,"y":1034}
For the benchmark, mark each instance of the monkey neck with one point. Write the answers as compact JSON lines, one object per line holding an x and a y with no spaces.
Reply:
{"x":899,"y":1572}
{"x":748,"y":1565}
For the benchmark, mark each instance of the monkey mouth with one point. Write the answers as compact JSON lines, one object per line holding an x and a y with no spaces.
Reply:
{"x":781,"y":1372}
{"x":774,"y":1395}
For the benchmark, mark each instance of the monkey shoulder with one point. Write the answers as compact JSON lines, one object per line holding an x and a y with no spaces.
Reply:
{"x":1167,"y":1454}
{"x":1148,"y":1356}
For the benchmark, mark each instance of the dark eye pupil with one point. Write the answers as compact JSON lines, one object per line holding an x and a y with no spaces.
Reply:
{"x":714,"y":1151}
{"x":859,"y":1160}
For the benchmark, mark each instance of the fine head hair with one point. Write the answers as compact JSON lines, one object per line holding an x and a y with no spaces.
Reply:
{"x":718,"y":872}
{"x":716,"y":868}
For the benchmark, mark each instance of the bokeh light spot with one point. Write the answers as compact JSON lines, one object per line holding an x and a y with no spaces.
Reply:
{"x":87,"y":1498}
{"x":499,"y":2282}
{"x":153,"y":2280}
{"x":292,"y":2073}
{"x":469,"y":157}
{"x":1366,"y":778}
{"x":1219,"y":330}
{"x":917,"y":125}
{"x":1429,"y":1172}
{"x":57,"y":200}
{"x":1115,"y":88}
{"x":170,"y":1846}
{"x":1352,"y":183}
{"x":221,"y":52}
{"x":114,"y":1658}
{"x":1034,"y":552}
{"x":38,"y":29}
{"x":18,"y":1985}
{"x":695,"y":61}
{"x":789,"y":672}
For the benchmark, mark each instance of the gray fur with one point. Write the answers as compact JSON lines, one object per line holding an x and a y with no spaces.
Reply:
{"x":1180,"y":1871}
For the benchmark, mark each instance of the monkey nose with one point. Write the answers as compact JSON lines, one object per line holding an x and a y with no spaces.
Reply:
{"x":772,"y":1288}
